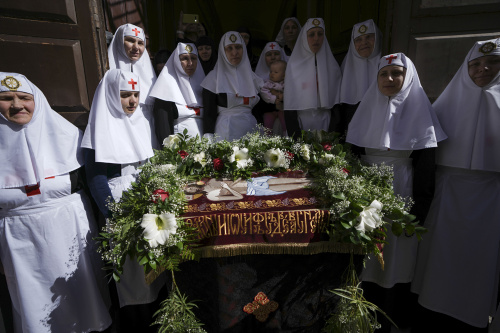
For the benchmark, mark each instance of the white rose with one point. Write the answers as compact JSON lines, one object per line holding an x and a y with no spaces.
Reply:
{"x":369,"y":218}
{"x":171,"y":141}
{"x":325,"y":158}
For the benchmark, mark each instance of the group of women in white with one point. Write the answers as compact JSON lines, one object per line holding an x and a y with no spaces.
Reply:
{"x":46,"y":225}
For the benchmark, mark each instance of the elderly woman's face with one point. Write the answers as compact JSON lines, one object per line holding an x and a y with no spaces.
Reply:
{"x":130,"y":101}
{"x":364,"y":45}
{"x":315,"y":38}
{"x":134,"y":47}
{"x":17,"y":107}
{"x":205,"y":52}
{"x":483,"y":70}
{"x":234,"y":53}
{"x":189,"y":61}
{"x":290,"y":31}
{"x":390,"y":79}
{"x":272,"y":56}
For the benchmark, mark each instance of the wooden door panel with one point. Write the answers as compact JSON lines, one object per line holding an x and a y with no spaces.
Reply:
{"x":53,"y":10}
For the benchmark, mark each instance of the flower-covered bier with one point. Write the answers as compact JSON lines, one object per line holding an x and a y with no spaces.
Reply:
{"x":370,"y":217}
{"x":157,"y":228}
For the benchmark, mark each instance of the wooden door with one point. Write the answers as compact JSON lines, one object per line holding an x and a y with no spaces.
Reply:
{"x":60,"y":46}
{"x":437,"y":34}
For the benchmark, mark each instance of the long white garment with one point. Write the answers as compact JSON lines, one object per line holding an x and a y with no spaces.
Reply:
{"x":405,"y":121}
{"x":314,"y":119}
{"x":132,"y":288}
{"x":400,"y":253}
{"x":143,"y":68}
{"x":236,"y":120}
{"x":359,"y":73}
{"x":458,"y":262}
{"x":312,"y":81}
{"x":115,"y":136}
{"x":52,"y":268}
{"x":174,"y":85}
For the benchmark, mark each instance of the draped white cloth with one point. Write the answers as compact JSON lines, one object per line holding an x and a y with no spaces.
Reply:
{"x":359,"y":73}
{"x":469,"y":115}
{"x":226,"y":78}
{"x":458,"y":262}
{"x":312,"y":81}
{"x":115,"y":136}
{"x":262,"y":70}
{"x":405,"y":121}
{"x":47,"y":146}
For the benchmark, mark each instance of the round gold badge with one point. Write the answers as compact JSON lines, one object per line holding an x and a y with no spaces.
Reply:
{"x":189,"y":48}
{"x":316,"y":22}
{"x":11,"y":82}
{"x":487,"y":48}
{"x":233,"y":38}
{"x":362,"y":29}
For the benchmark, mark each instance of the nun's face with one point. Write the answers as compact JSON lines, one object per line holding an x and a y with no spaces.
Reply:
{"x":189,"y":61}
{"x":134,"y":47}
{"x":205,"y":52}
{"x":234,"y":53}
{"x":315,"y":38}
{"x":483,"y":70}
{"x":17,"y":107}
{"x":272,"y":56}
{"x":364,"y":45}
{"x":390,"y":79}
{"x":130,"y":101}
{"x":290,"y":31}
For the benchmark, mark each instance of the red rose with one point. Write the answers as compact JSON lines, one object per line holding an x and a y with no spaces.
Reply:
{"x":160,"y":194}
{"x":218,"y":164}
{"x":346,"y":171}
{"x":289,"y":155}
{"x":326,"y":146}
{"x":183,"y":153}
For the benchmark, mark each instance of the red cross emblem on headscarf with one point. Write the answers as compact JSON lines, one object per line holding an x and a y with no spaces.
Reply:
{"x":136,"y":33}
{"x":133,"y":83}
{"x":391,"y":58}
{"x":272,"y":46}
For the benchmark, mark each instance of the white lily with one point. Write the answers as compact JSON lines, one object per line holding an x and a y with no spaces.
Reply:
{"x":171,"y":141}
{"x":275,"y":158}
{"x":325,"y":158}
{"x":304,"y":152}
{"x":201,"y":158}
{"x":157,"y":228}
{"x":241,"y":157}
{"x":370,"y":218}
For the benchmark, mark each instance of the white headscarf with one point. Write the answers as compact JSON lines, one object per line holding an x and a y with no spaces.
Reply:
{"x":280,"y":38}
{"x":262,"y":70}
{"x":47,"y":146}
{"x":358,"y":73}
{"x":115,"y":136}
{"x":405,"y":121}
{"x":470,"y":115}
{"x":301,"y":84}
{"x":175,"y":85}
{"x":226,"y":78}
{"x":143,"y":67}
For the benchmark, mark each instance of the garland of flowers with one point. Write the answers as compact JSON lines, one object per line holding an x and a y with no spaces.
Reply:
{"x":147,"y":223}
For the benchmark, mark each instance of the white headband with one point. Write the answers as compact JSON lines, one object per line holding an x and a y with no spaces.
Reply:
{"x":15,"y":82}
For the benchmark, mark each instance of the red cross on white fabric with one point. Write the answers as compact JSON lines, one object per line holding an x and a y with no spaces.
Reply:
{"x":133,"y":83}
{"x":272,"y":46}
{"x":137,"y":32}
{"x":196,"y":110}
{"x":391,"y":58}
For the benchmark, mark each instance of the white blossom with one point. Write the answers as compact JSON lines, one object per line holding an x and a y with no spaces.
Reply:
{"x":275,"y":158}
{"x":200,"y":158}
{"x":304,"y":152}
{"x":157,"y":228}
{"x":370,"y":218}
{"x":171,"y":141}
{"x":326,"y":158}
{"x":241,"y":157}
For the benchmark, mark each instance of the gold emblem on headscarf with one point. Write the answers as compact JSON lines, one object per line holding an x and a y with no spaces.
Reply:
{"x":362,"y":29}
{"x":11,"y":82}
{"x":233,"y":38}
{"x":487,"y":48}
{"x":188,"y":48}
{"x":316,"y":22}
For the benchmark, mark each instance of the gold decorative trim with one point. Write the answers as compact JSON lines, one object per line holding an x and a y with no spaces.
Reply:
{"x":362,"y":29}
{"x":11,"y":83}
{"x":487,"y":48}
